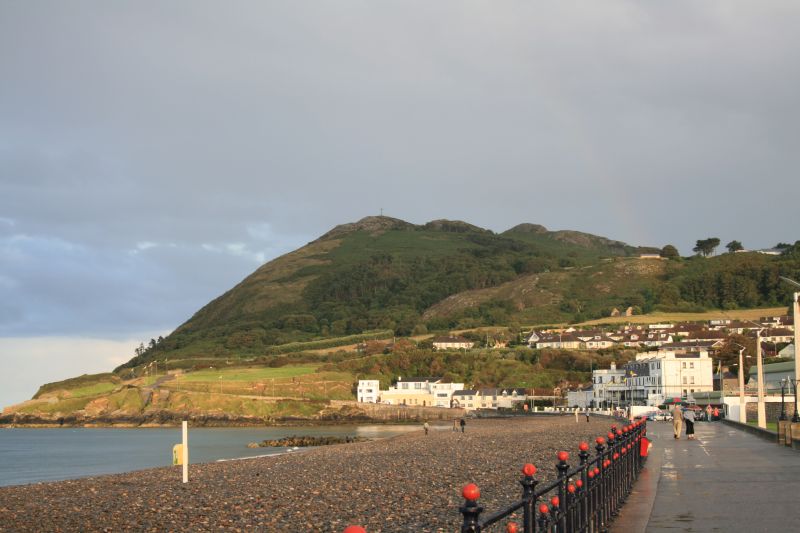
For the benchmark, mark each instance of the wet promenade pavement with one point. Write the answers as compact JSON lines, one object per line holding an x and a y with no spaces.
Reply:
{"x":725,"y":480}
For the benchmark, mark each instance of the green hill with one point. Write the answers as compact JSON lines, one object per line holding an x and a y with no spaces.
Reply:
{"x":385,"y":275}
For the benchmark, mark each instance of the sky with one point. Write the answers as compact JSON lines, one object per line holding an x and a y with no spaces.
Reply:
{"x":153,"y":154}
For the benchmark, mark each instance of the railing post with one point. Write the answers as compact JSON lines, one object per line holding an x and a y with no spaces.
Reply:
{"x":562,"y":468}
{"x":598,"y":509}
{"x":528,"y":489}
{"x":471,"y":510}
{"x":583,"y":506}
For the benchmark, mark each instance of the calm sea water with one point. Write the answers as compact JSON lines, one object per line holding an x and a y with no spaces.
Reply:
{"x":32,"y":455}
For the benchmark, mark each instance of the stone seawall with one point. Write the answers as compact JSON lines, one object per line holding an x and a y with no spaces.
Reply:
{"x":379,"y":411}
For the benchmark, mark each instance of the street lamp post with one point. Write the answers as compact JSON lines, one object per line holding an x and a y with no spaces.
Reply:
{"x":795,"y":417}
{"x":742,"y":405}
{"x":762,"y":410}
{"x":784,"y":383}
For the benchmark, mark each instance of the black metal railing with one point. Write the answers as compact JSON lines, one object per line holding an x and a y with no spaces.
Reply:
{"x":583,"y":498}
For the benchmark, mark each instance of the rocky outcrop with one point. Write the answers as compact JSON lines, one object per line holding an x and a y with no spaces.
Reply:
{"x":305,"y":440}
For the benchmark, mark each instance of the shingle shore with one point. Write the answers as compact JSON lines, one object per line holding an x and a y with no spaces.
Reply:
{"x":406,"y":483}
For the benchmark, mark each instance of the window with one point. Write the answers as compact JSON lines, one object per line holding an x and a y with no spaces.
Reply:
{"x":684,"y":379}
{"x":691,"y":380}
{"x":684,"y":364}
{"x":691,"y":365}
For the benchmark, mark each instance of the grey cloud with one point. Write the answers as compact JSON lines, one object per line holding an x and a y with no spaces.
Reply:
{"x":227,"y":134}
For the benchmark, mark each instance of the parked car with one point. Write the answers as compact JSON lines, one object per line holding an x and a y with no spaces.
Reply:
{"x":664,"y":416}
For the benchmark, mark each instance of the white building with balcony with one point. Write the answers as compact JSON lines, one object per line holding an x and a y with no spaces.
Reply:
{"x":607,"y":384}
{"x":657,"y":376}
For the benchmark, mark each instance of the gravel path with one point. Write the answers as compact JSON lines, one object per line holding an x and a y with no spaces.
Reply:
{"x":407,"y":483}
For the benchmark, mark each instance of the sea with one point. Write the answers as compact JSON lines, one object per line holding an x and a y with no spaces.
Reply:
{"x":33,"y":455}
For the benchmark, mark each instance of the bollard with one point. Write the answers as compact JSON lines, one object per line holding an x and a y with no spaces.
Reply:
{"x":782,"y":431}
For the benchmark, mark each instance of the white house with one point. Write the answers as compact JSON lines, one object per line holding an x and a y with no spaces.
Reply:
{"x":369,"y":390}
{"x":580,"y":398}
{"x":443,"y":393}
{"x":656,"y":376}
{"x":452,"y":343}
{"x":420,"y":391}
{"x":607,"y":386}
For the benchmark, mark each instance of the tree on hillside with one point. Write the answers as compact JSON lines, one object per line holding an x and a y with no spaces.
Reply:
{"x":707,"y":246}
{"x":734,"y":246}
{"x":670,"y":252}
{"x":729,"y":353}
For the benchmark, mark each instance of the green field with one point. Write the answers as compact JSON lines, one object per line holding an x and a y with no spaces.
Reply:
{"x":248,"y":374}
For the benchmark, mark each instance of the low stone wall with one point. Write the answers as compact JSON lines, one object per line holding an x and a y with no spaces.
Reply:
{"x":772,"y":409}
{"x":380,"y":411}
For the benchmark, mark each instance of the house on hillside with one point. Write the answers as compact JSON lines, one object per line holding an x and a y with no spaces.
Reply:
{"x":563,"y":341}
{"x":452,"y":343}
{"x":691,"y":346}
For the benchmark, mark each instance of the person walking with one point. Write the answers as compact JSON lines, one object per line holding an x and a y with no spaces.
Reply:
{"x":688,"y":417}
{"x":463,"y":424}
{"x":426,"y":427}
{"x":708,"y":413}
{"x":677,"y":420}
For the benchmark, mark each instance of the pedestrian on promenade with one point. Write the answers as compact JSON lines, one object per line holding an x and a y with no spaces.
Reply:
{"x":688,"y":417}
{"x":708,"y":413}
{"x":426,"y":427}
{"x":677,"y":420}
{"x":586,"y":412}
{"x":463,"y":423}
{"x":716,"y":413}
{"x":576,"y":415}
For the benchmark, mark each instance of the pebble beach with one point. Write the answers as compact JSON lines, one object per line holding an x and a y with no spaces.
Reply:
{"x":411,"y":482}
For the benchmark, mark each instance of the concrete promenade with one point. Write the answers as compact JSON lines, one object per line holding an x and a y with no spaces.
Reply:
{"x":725,"y":480}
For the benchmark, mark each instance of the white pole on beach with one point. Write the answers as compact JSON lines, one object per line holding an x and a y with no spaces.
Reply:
{"x":185,"y":451}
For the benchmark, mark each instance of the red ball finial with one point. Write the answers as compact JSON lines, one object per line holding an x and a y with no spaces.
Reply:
{"x":615,"y":456}
{"x":563,"y":456}
{"x":554,"y":501}
{"x":583,"y":446}
{"x":544,"y":509}
{"x":610,"y":436}
{"x":354,"y":529}
{"x":512,"y":528}
{"x":471,"y":492}
{"x":579,"y":483}
{"x":600,"y":441}
{"x":591,"y":474}
{"x":529,"y":469}
{"x":619,"y":433}
{"x":596,"y":471}
{"x":571,"y":488}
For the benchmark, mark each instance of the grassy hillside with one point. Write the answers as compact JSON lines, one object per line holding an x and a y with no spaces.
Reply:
{"x":383,"y":277}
